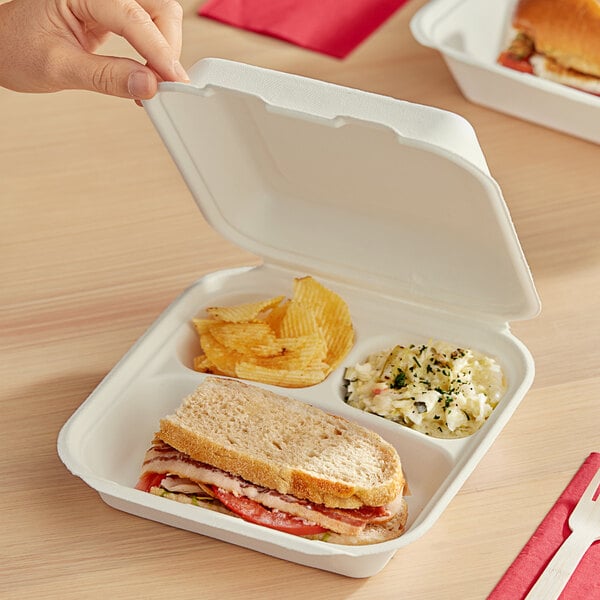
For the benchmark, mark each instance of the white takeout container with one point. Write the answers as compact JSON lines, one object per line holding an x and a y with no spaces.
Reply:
{"x":388,"y":203}
{"x":470,"y":34}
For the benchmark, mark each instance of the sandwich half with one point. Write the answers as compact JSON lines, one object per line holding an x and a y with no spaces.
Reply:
{"x":277,"y":462}
{"x":557,"y":40}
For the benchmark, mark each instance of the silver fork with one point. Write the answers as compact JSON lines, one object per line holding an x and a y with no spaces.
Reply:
{"x":584,"y":523}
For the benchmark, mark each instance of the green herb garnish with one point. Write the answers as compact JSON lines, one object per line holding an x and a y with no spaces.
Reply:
{"x":399,"y":380}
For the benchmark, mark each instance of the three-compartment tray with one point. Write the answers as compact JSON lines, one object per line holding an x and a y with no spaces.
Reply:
{"x":389,"y":204}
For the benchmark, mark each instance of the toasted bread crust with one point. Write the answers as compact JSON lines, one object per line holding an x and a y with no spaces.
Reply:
{"x":284,"y":444}
{"x":566,"y":30}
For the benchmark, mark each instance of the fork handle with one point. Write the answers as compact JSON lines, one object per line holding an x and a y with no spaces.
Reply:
{"x":557,"y":573}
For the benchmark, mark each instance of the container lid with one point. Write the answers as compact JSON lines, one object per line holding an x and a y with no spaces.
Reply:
{"x":367,"y":189}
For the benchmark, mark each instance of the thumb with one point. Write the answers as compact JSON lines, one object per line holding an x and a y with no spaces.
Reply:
{"x":114,"y":76}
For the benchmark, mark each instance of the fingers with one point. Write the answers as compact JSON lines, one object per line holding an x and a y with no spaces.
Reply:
{"x":152,"y":27}
{"x":167,"y":16}
{"x":109,"y":75}
{"x":49,"y":46}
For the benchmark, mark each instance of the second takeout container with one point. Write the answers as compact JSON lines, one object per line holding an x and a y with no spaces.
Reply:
{"x":470,"y":34}
{"x":388,"y":203}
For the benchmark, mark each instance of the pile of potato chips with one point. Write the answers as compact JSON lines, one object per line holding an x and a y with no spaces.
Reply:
{"x":293,"y":342}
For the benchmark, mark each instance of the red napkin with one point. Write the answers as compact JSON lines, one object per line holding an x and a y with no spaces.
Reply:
{"x":333,"y":27}
{"x":553,"y":530}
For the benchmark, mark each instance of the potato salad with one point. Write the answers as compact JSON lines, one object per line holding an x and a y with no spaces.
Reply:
{"x":438,"y":389}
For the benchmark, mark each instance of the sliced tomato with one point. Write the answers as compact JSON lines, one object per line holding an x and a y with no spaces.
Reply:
{"x":148,"y":481}
{"x":254,"y":512}
{"x":518,"y":64}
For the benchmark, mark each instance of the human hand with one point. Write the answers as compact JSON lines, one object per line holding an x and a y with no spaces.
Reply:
{"x":49,"y":45}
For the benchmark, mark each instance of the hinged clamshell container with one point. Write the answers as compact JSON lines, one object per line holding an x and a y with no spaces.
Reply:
{"x":388,"y":203}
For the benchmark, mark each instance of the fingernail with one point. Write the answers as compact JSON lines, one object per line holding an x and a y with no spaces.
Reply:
{"x":180,"y":71}
{"x":138,"y":84}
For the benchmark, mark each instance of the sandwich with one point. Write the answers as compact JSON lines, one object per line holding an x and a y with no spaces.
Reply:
{"x":557,"y":40}
{"x":279,"y":463}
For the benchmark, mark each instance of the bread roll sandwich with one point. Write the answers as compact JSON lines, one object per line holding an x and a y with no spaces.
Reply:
{"x":557,"y":40}
{"x":277,"y":462}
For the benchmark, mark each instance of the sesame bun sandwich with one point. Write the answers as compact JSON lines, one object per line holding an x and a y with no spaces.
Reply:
{"x":277,"y":462}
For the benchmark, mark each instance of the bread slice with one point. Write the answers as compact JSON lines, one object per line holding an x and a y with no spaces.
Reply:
{"x":567,"y":31}
{"x":284,"y":444}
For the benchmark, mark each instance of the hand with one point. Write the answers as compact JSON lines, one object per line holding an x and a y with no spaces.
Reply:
{"x":49,"y":45}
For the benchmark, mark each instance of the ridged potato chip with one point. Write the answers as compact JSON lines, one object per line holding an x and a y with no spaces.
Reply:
{"x":332,"y":315}
{"x":202,"y":325}
{"x":289,"y":343}
{"x":204,"y":365}
{"x":300,"y":319}
{"x":247,"y":338}
{"x":297,"y":353}
{"x":223,"y":358}
{"x":243,"y":313}
{"x":275,"y":316}
{"x":281,"y":377}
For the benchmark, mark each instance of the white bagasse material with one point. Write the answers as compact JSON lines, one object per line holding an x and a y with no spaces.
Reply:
{"x":420,"y":246}
{"x":470,"y":34}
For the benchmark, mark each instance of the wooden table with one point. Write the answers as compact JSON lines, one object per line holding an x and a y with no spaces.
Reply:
{"x":99,"y":234}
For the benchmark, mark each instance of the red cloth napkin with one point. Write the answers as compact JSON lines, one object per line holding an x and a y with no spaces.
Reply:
{"x":553,"y":530}
{"x":333,"y":27}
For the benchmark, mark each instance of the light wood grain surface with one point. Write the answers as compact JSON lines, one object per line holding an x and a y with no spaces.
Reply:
{"x":98,"y":234}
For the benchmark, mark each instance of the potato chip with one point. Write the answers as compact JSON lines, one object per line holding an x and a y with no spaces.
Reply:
{"x":327,"y":305}
{"x":299,"y":320}
{"x":315,"y":342}
{"x":290,"y":343}
{"x":202,"y":325}
{"x":204,"y":365}
{"x":332,"y":314}
{"x":276,"y":316}
{"x":338,"y":347}
{"x":223,"y":358}
{"x":281,"y":377}
{"x":243,"y":313}
{"x":255,"y":338}
{"x":297,"y":353}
